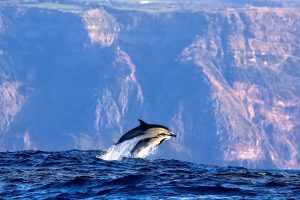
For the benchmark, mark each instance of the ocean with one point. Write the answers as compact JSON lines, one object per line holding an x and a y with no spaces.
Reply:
{"x":77,"y":174}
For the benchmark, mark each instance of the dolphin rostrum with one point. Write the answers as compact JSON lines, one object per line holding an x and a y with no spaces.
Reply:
{"x":149,"y":143}
{"x":145,"y":130}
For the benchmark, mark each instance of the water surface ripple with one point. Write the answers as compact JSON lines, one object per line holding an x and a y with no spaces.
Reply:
{"x":78,"y":174}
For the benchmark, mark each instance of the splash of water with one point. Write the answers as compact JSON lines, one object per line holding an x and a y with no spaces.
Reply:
{"x":145,"y":152}
{"x":117,"y":152}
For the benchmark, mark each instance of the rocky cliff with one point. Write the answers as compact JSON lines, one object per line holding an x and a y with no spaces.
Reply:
{"x":223,"y":76}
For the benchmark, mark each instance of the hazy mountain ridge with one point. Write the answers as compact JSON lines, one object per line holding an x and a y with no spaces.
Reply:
{"x":152,"y":6}
{"x":226,"y":81}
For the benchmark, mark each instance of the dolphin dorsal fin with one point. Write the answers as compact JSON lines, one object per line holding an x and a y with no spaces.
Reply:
{"x":142,"y":123}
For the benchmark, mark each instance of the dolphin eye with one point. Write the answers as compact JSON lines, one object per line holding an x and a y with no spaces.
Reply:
{"x":163,"y":134}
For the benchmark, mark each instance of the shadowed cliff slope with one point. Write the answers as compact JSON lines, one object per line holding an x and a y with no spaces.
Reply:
{"x":225,"y":78}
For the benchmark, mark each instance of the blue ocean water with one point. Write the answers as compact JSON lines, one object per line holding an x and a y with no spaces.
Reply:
{"x":78,"y":174}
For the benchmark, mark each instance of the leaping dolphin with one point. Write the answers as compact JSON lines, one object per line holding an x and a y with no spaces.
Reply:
{"x":149,"y":143}
{"x":145,"y":130}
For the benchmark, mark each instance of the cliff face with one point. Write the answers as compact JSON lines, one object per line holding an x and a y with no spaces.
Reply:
{"x":250,"y":60}
{"x":225,"y":80}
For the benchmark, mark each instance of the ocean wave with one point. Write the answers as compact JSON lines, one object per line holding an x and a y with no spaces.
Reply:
{"x":80,"y":174}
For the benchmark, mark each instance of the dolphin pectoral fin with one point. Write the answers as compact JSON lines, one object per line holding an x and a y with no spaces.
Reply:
{"x":161,"y":142}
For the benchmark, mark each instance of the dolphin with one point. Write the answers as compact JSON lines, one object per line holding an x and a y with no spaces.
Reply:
{"x":149,"y":143}
{"x":145,"y":130}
